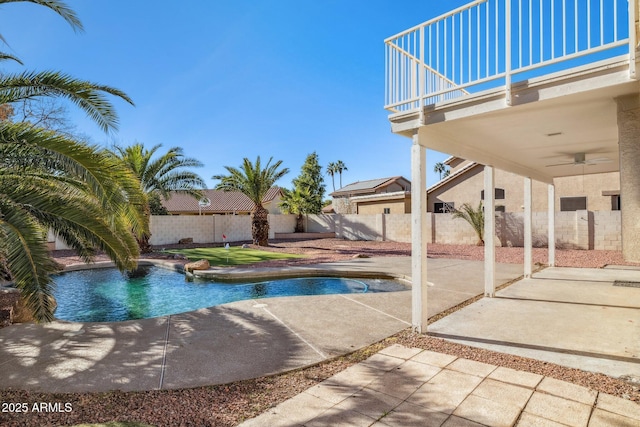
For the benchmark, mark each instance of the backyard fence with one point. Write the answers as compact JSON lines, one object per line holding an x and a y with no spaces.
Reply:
{"x":575,"y":230}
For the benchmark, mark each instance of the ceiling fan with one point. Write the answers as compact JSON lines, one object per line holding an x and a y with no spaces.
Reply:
{"x":579,"y":159}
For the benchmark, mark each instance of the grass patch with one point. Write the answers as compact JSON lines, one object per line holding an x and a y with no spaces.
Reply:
{"x":235,"y":255}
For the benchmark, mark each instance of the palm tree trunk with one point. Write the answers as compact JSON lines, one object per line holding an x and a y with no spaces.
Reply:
{"x":143,"y":238}
{"x":260,"y":226}
{"x":299,"y":224}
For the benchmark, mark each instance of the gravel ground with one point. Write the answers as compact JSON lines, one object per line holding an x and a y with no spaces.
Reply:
{"x":229,"y":404}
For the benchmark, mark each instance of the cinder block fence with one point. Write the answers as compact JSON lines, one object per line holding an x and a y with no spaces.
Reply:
{"x":574,"y":230}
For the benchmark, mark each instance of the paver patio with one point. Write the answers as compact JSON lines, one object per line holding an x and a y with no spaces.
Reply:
{"x":406,"y":387}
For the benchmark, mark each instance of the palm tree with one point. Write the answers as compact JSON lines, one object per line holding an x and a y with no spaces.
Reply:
{"x":160,"y":176}
{"x":340,"y":167}
{"x":439,"y":168}
{"x":254,"y":182}
{"x":475,"y":218}
{"x":49,"y":181}
{"x":332,"y":170}
{"x":295,"y":202}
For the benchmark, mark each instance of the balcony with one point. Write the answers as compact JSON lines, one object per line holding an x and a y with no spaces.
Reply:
{"x":496,"y":44}
{"x":517,"y":84}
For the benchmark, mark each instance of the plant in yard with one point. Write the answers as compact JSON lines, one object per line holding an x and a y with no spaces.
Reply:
{"x":295,"y":202}
{"x":310,"y":185}
{"x":159,"y":175}
{"x":49,"y":181}
{"x":475,"y":218}
{"x":254,"y":181}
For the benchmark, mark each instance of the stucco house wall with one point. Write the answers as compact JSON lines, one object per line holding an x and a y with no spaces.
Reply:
{"x":467,"y":188}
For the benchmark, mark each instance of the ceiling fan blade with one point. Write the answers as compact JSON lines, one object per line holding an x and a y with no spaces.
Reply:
{"x":560,"y":164}
{"x":598,"y":160}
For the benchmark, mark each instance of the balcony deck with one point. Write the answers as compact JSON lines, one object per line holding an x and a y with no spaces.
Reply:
{"x":516,"y":84}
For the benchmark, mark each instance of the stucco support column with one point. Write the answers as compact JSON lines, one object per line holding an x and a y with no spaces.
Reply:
{"x":527,"y":228}
{"x":418,"y":237}
{"x":489,"y":232}
{"x":551,"y":226}
{"x":629,"y":145}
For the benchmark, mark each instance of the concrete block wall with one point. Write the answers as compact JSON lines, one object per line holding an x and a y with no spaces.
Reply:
{"x":607,"y":230}
{"x":574,"y":230}
{"x":453,"y":230}
{"x":281,"y":224}
{"x":397,"y":227}
{"x":359,"y":227}
{"x":321,"y":223}
{"x":168,"y":229}
{"x":236,"y":227}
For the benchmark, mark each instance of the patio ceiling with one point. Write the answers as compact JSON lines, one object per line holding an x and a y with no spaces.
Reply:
{"x":550,"y":120}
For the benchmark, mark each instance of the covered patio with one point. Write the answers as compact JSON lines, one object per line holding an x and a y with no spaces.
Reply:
{"x":485,"y":83}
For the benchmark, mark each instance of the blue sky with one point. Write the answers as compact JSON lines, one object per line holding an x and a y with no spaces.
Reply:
{"x":228,"y":80}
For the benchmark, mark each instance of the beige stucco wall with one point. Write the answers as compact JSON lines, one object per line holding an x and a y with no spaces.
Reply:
{"x":377,"y":207}
{"x":590,"y":186}
{"x":467,"y":189}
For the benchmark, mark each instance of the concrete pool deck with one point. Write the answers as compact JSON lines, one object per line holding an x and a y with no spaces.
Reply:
{"x":236,"y":341}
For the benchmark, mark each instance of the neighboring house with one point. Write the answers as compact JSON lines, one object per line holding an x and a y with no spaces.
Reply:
{"x":376,"y":196}
{"x":594,"y":192}
{"x":221,"y":203}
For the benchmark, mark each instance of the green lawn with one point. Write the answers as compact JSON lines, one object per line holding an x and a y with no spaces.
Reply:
{"x":235,"y":255}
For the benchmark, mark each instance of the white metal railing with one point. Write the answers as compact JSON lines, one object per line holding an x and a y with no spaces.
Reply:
{"x":490,"y":43}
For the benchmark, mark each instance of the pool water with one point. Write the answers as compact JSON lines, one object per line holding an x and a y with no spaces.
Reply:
{"x":106,"y":295}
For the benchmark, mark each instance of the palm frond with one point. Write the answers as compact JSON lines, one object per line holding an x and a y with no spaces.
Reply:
{"x":58,"y":7}
{"x":86,"y":95}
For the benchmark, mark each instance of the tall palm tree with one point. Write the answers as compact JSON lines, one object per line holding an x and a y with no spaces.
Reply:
{"x":51,"y":182}
{"x":475,"y":218}
{"x":340,"y":167}
{"x":160,"y":175}
{"x":253,"y":181}
{"x":332,"y":170}
{"x":439,"y":168}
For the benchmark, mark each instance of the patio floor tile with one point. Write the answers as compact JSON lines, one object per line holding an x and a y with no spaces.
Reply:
{"x":505,"y":393}
{"x":370,"y":403}
{"x":383,"y":362}
{"x":568,"y":390}
{"x":445,"y":391}
{"x":557,"y":409}
{"x":488,"y":412}
{"x":471,"y":367}
{"x":432,"y":358}
{"x":602,"y":418}
{"x":340,"y":418}
{"x":400,"y":351}
{"x":530,"y":420}
{"x":420,"y":371}
{"x":396,"y":384}
{"x":618,"y":406}
{"x":410,"y":415}
{"x":512,"y":376}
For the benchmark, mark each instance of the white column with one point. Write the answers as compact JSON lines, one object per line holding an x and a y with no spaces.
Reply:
{"x":489,"y":232}
{"x":527,"y":228}
{"x":552,"y":226}
{"x":418,"y":237}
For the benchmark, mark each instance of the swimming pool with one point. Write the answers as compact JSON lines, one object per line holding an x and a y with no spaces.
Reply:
{"x":106,"y":295}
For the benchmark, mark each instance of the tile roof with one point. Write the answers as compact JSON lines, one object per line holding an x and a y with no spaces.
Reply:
{"x":221,"y":202}
{"x":365,"y":186}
